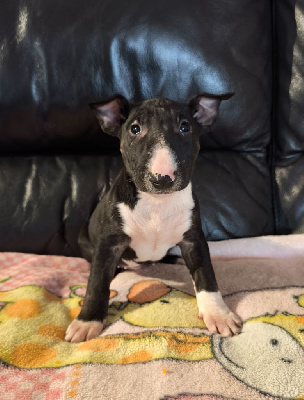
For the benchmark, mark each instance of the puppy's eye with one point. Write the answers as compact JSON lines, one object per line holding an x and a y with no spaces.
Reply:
{"x":184,"y":127}
{"x":135,"y":129}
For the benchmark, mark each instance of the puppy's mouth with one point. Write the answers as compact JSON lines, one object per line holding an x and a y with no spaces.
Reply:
{"x":161,"y":183}
{"x":165,"y":185}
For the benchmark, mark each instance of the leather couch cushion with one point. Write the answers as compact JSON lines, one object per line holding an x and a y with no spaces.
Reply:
{"x":46,"y":199}
{"x":289,"y":117}
{"x":58,"y":57}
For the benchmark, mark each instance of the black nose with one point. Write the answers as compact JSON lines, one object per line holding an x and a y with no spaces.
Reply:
{"x":161,"y":182}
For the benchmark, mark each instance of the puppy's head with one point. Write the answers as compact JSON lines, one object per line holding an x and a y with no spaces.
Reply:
{"x":159,"y":138}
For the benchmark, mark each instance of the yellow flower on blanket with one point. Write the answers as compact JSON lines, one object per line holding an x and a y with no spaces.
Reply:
{"x":153,"y":304}
{"x":33,"y":322}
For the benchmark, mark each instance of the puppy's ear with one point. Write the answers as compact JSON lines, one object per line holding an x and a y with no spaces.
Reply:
{"x":205,"y":107}
{"x":111,"y":114}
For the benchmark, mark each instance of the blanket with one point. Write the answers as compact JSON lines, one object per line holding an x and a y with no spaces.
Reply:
{"x":154,"y":346}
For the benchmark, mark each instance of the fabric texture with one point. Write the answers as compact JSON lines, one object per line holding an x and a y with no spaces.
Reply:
{"x":154,"y":346}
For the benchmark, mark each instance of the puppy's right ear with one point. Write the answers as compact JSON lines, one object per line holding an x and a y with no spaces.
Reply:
{"x":111,"y":114}
{"x":206,"y":107}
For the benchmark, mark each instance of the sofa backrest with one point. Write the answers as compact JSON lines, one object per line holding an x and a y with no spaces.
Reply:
{"x":288,"y":117}
{"x":55,"y":58}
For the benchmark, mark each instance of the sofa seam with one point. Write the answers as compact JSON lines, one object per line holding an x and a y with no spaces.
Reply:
{"x":273,"y":129}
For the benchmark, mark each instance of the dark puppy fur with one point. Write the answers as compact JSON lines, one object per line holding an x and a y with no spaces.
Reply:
{"x":151,"y":206}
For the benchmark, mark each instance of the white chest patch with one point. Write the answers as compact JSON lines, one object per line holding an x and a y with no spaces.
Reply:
{"x":157,"y":222}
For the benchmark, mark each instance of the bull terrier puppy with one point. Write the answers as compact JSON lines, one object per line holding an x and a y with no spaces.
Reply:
{"x":151,"y":207}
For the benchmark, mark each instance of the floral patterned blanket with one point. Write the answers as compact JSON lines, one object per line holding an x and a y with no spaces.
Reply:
{"x":154,"y":346}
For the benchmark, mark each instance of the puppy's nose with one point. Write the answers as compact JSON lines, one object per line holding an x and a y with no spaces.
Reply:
{"x":161,"y":182}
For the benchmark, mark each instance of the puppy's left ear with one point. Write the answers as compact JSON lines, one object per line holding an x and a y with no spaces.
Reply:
{"x":111,"y":114}
{"x":205,"y":107}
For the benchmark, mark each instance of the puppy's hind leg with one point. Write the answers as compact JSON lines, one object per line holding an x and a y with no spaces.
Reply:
{"x":85,"y":244}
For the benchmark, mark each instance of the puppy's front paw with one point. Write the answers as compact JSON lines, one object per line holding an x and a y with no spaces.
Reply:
{"x":80,"y":331}
{"x":226,"y":323}
{"x":216,"y":315}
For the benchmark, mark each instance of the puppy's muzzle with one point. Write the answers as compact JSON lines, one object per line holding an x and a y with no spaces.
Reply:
{"x":161,"y":182}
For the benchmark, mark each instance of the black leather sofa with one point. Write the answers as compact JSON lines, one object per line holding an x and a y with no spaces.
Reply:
{"x":56,"y":57}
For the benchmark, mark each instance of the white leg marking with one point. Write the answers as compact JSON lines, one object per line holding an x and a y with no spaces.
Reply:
{"x":216,"y":315}
{"x":80,"y":331}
